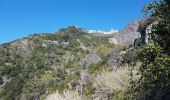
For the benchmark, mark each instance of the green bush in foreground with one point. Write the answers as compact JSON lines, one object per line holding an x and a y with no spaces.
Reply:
{"x":154,"y":83}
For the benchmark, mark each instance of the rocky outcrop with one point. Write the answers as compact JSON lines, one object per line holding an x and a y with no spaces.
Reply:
{"x":129,"y":33}
{"x":126,"y":39}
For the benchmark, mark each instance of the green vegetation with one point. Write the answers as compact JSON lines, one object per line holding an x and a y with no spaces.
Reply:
{"x":43,"y":63}
{"x":155,"y":57}
{"x":99,"y":67}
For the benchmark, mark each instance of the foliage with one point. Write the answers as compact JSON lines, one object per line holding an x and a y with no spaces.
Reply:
{"x":41,"y":64}
{"x":121,"y":96}
{"x":130,"y":56}
{"x":12,"y":89}
{"x":99,"y":67}
{"x":154,"y":71}
{"x":160,"y":31}
{"x":155,"y":57}
{"x":104,"y":50}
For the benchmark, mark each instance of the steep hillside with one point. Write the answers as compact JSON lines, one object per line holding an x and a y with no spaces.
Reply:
{"x":37,"y":65}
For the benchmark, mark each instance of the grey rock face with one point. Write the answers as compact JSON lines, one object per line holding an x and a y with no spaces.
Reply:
{"x":129,"y":33}
{"x":125,"y":39}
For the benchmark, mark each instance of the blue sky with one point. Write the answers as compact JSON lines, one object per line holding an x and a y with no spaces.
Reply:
{"x":18,"y":18}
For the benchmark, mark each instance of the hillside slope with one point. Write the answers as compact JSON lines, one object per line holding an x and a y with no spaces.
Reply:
{"x":39,"y":64}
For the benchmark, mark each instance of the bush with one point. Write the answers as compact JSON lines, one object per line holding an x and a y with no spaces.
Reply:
{"x":104,"y":50}
{"x":67,"y":95}
{"x":109,"y":83}
{"x":12,"y":89}
{"x":154,"y":83}
{"x":99,"y":67}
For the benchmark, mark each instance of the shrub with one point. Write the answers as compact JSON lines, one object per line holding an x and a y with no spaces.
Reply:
{"x":109,"y":83}
{"x":67,"y":95}
{"x":97,"y":68}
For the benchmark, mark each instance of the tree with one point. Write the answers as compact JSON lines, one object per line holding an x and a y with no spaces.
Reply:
{"x":154,"y":83}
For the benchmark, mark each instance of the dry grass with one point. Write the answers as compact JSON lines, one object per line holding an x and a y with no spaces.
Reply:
{"x":109,"y":83}
{"x":67,"y":95}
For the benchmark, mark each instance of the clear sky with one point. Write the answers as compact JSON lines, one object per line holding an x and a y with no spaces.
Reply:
{"x":18,"y":18}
